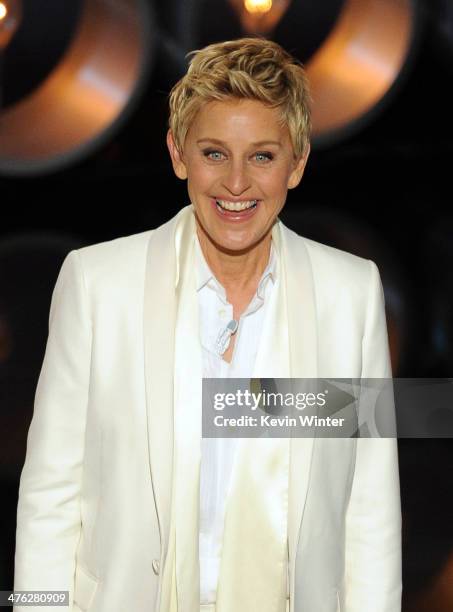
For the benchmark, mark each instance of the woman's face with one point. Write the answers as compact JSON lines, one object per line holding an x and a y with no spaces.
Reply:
{"x":239,"y":164}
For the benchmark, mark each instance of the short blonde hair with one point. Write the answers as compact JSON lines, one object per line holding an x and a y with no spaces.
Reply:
{"x":254,"y":68}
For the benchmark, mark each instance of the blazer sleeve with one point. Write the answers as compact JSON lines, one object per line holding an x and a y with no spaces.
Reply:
{"x":48,"y":512}
{"x":373,"y":519}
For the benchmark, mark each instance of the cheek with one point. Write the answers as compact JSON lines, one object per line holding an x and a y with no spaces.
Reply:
{"x":275,"y":185}
{"x":200,"y":177}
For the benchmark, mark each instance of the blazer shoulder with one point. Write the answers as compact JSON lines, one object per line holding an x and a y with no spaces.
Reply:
{"x":117,"y":262}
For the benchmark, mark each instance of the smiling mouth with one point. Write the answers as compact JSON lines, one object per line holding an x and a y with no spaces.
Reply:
{"x":236,"y":206}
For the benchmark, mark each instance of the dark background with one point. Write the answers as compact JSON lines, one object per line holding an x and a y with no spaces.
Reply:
{"x":384,"y":193}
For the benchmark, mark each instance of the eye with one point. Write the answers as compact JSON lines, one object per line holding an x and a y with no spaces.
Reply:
{"x":213,"y":154}
{"x":264,"y":156}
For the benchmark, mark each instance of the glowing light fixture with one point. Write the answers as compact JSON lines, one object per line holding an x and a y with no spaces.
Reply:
{"x":260,"y":16}
{"x":258,"y":6}
{"x":10,"y":18}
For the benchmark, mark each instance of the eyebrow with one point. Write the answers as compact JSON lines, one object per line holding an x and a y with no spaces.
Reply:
{"x":261,"y":143}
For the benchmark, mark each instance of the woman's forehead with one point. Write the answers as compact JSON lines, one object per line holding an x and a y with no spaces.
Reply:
{"x":244,"y":119}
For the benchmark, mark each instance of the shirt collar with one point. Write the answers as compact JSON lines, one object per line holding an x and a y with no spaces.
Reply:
{"x":204,"y":273}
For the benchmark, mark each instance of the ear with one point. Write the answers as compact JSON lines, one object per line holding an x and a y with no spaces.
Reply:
{"x":298,"y":171}
{"x":176,"y":158}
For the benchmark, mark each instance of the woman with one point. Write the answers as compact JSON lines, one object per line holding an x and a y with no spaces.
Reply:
{"x":122,"y":502}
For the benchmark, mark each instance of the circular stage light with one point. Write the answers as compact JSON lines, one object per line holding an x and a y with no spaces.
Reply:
{"x":359,"y":65}
{"x":88,"y":95}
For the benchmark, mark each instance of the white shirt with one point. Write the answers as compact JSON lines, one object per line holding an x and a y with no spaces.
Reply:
{"x":218,"y":453}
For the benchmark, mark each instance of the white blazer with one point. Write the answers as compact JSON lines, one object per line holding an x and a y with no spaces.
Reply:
{"x":95,"y":491}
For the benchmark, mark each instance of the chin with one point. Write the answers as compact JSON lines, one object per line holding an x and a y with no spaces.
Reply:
{"x":236,"y":244}
{"x":232,"y":240}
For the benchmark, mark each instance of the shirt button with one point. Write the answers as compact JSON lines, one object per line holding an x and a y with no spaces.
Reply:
{"x":156,"y":566}
{"x":222,"y":312}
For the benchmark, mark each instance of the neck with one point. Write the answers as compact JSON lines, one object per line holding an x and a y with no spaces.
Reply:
{"x":238,"y":271}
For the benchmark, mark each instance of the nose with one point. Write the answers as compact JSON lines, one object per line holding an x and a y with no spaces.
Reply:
{"x":236,"y":180}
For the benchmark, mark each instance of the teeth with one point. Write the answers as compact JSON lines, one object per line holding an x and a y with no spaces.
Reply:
{"x":236,"y":205}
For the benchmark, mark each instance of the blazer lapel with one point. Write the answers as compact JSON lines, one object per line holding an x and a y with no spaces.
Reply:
{"x":159,"y":317}
{"x":302,"y":326}
{"x":168,"y":258}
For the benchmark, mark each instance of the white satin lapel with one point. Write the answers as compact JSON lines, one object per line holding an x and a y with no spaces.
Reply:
{"x":188,"y":402}
{"x":272,"y":359}
{"x":159,"y":331}
{"x":303,"y":345}
{"x":159,"y":318}
{"x":302,"y":317}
